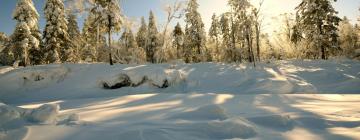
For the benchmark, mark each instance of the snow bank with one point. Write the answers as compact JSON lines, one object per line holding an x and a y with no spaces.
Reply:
{"x":45,"y":114}
{"x":5,"y":69}
{"x":9,"y":114}
{"x":33,"y":77}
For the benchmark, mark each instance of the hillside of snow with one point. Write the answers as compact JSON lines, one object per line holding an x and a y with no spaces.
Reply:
{"x":206,"y":101}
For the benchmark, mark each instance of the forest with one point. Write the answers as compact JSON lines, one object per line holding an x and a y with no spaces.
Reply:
{"x":313,"y":31}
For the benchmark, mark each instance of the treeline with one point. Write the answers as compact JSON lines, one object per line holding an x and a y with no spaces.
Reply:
{"x":314,"y":32}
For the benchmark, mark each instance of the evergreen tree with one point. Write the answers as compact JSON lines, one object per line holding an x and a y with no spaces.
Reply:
{"x":56,"y":39}
{"x":153,"y":40}
{"x":141,"y":35}
{"x":75,"y":37}
{"x":318,"y":22}
{"x":21,"y":42}
{"x":6,"y":55}
{"x":178,"y":41}
{"x":226,"y":41}
{"x":111,"y":18}
{"x":129,"y":52}
{"x":194,"y":34}
{"x":93,"y":34}
{"x":25,"y":12}
{"x":127,"y":39}
{"x":214,"y":34}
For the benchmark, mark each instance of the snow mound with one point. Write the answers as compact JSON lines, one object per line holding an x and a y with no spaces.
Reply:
{"x":134,"y":77}
{"x":9,"y":114}
{"x":33,"y":77}
{"x":274,"y":121}
{"x":13,"y":119}
{"x":5,"y":69}
{"x":45,"y":114}
{"x":230,"y":128}
{"x":208,"y":112}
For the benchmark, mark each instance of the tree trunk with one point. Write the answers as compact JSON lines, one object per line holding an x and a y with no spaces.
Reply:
{"x":109,"y":34}
{"x":323,"y":52}
{"x":258,"y":41}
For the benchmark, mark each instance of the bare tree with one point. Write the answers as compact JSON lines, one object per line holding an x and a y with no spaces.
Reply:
{"x":257,"y":24}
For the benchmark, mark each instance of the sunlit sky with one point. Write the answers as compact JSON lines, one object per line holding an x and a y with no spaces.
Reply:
{"x":137,"y":8}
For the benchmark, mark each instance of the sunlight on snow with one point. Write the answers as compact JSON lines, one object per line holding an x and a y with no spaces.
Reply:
{"x":109,"y":113}
{"x":277,"y":76}
{"x":222,"y":98}
{"x":32,"y":106}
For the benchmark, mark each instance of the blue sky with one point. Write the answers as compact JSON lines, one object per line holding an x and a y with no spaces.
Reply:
{"x":137,"y":8}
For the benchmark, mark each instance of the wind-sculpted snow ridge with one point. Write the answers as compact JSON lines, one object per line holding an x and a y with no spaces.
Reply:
{"x":13,"y":120}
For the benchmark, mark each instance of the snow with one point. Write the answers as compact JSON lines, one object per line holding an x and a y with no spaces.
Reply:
{"x":206,"y":101}
{"x":46,"y":113}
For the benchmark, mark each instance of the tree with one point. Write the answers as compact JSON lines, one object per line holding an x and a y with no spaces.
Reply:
{"x":257,"y":25}
{"x":225,"y":32}
{"x":127,"y":39}
{"x":56,"y":39}
{"x":347,"y":37}
{"x":128,"y":51}
{"x":214,"y":34}
{"x":178,"y":41}
{"x":6,"y":55}
{"x":153,"y":40}
{"x":194,"y":33}
{"x":75,"y":37}
{"x":93,"y":33}
{"x":21,"y":42}
{"x":318,"y":22}
{"x":25,"y":12}
{"x":110,"y":9}
{"x":141,"y":36}
{"x":242,"y":22}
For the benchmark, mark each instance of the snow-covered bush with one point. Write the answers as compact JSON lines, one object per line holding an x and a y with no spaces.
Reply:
{"x":156,"y":77}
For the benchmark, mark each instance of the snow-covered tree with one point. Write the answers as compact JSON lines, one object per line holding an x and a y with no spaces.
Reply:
{"x":318,"y":22}
{"x":111,"y":18}
{"x":6,"y":55}
{"x":26,"y":13}
{"x":128,"y":52}
{"x":94,"y":39}
{"x":214,"y":34}
{"x":348,"y":37}
{"x":153,"y":39}
{"x":75,"y":37}
{"x":56,"y":38}
{"x":3,"y":40}
{"x":241,"y":27}
{"x":127,"y":39}
{"x":225,"y":32}
{"x":195,"y":37}
{"x":178,"y":41}
{"x":141,"y":35}
{"x":21,"y":42}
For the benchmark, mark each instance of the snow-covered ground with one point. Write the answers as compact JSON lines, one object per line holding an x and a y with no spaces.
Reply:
{"x":208,"y":101}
